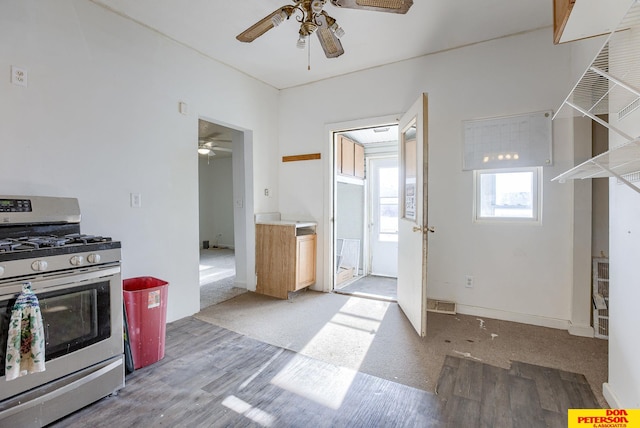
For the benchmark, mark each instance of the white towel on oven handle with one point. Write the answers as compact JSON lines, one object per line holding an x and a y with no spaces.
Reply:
{"x":25,"y":344}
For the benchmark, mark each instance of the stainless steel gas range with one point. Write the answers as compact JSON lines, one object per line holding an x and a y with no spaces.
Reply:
{"x":78,"y":283}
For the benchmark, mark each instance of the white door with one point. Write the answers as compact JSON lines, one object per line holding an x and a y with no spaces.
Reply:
{"x":384,"y":216}
{"x":412,"y":224}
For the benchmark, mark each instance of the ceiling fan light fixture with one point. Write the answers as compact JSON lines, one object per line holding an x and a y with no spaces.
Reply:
{"x":312,"y":18}
{"x":204,"y":151}
{"x":337,"y":30}
{"x":302,"y":42}
{"x":278,"y":18}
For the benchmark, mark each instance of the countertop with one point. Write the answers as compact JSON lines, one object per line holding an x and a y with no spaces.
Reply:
{"x":295,"y":223}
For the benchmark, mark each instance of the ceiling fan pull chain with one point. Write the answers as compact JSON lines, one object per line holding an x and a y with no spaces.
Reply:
{"x":309,"y":53}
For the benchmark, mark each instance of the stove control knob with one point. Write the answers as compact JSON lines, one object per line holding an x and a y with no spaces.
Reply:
{"x":1,"y":270}
{"x":39,"y":265}
{"x":93,"y":258}
{"x":76,"y":260}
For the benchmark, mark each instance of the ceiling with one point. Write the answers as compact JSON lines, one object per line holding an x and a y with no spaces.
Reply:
{"x":372,"y":38}
{"x":374,"y":135}
{"x":217,"y":137}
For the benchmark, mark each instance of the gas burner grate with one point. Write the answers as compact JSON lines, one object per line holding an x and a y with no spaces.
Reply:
{"x":78,"y":238}
{"x":7,"y":245}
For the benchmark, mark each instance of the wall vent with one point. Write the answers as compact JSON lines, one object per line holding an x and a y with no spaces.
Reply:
{"x":632,"y":177}
{"x":441,"y":306}
{"x":628,"y":109}
{"x":600,"y":290}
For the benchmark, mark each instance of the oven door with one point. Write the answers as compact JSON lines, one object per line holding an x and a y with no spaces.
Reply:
{"x":82,"y":317}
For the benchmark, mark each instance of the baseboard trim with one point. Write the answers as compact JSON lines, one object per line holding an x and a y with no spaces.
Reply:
{"x":513,"y":316}
{"x":610,"y":396}
{"x":581,"y":330}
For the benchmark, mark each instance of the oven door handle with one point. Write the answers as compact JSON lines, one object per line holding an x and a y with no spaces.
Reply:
{"x":64,"y":282}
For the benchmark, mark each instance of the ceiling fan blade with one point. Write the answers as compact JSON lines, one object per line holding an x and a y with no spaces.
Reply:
{"x":221,"y":149}
{"x":393,"y":6}
{"x":213,"y":141}
{"x":264,"y":25}
{"x":328,"y":40}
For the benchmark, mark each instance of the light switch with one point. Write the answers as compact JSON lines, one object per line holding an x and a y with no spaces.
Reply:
{"x":239,"y":203}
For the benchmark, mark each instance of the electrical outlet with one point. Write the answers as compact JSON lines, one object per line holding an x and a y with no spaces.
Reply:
{"x":266,"y":192}
{"x":19,"y":76}
{"x":468,"y":281}
{"x":136,"y":200}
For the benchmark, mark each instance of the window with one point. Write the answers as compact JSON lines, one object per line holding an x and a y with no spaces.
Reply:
{"x":507,"y":195}
{"x":388,"y":204}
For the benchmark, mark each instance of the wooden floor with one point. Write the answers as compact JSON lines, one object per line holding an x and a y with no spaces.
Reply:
{"x":212,"y":377}
{"x":474,"y":394}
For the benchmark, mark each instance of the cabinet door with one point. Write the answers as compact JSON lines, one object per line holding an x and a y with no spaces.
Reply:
{"x":305,"y":261}
{"x":348,"y":157}
{"x":358,"y":152}
{"x":275,"y":260}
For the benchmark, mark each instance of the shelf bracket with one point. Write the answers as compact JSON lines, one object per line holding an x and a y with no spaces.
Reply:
{"x":600,"y":121}
{"x":615,"y":80}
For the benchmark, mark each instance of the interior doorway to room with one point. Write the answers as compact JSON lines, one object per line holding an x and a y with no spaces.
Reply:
{"x":366,"y":211}
{"x":217,"y":267}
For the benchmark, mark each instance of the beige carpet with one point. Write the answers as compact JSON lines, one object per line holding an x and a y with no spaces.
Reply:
{"x":374,"y":337}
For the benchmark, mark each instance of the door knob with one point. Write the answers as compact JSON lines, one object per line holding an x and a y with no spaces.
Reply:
{"x":426,"y":229}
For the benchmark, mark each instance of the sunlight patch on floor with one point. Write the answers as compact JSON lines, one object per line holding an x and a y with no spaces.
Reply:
{"x":215,"y":275}
{"x":326,"y":384}
{"x":243,"y":408}
{"x":345,"y":340}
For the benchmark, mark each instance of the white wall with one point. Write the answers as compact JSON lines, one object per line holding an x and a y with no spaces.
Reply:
{"x":623,"y":387}
{"x":100,"y":120}
{"x":216,"y":201}
{"x":520,"y":272}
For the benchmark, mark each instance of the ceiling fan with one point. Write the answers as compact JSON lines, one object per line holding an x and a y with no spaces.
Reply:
{"x":209,"y":146}
{"x":312,"y":18}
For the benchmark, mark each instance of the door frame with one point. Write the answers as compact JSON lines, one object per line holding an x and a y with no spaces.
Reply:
{"x":328,"y":238}
{"x":244,"y":230}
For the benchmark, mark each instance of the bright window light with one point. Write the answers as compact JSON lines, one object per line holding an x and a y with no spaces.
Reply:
{"x":388,"y":204}
{"x":507,"y":194}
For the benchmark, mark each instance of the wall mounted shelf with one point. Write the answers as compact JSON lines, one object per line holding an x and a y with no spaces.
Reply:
{"x":601,"y":91}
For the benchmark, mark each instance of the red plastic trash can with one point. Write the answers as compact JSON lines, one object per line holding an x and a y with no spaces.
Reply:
{"x":145,"y":300}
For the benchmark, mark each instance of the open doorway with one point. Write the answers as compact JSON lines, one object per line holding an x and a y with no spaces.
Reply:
{"x":217,"y":267}
{"x":366,"y":211}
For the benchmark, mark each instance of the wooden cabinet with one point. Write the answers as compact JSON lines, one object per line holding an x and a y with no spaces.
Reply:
{"x":285,"y":257}
{"x":349,"y":158}
{"x":561,"y":12}
{"x":580,"y":19}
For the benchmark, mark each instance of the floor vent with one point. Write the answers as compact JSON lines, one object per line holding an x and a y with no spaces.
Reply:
{"x":441,"y":306}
